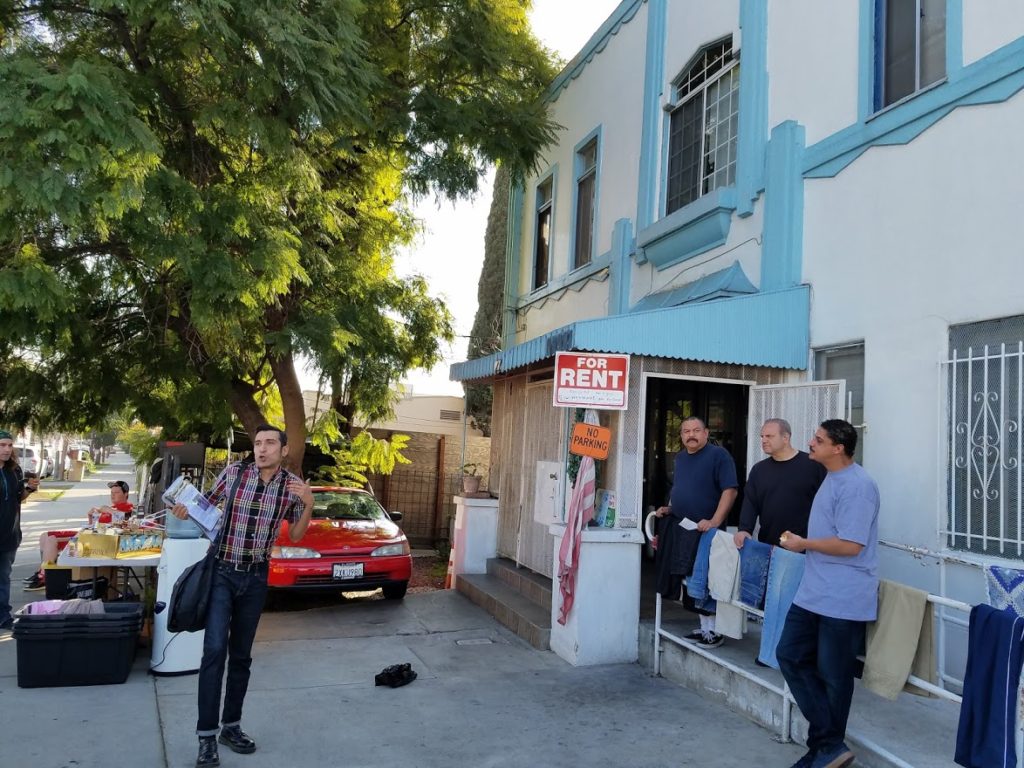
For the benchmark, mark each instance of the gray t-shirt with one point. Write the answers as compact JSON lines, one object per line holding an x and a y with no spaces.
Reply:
{"x":846,"y":506}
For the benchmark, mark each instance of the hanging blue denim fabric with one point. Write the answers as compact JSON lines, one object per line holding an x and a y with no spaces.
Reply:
{"x":754,"y":562}
{"x":988,"y":714}
{"x":784,"y":574}
{"x":697,"y":584}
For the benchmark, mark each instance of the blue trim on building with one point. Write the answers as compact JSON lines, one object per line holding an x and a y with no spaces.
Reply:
{"x":512,"y":263}
{"x":766,"y":329}
{"x":782,"y":254}
{"x":692,"y":230}
{"x":954,"y":38}
{"x":867,"y":74}
{"x":621,"y":267}
{"x":753,"y":110}
{"x":623,"y":14}
{"x":994,"y":78}
{"x":577,"y":169}
{"x":569,"y":279}
{"x":551,"y":173}
{"x":725,"y":283}
{"x":654,"y":83}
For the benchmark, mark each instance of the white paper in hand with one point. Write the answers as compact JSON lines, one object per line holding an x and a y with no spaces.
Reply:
{"x":688,"y":524}
{"x":205,"y":514}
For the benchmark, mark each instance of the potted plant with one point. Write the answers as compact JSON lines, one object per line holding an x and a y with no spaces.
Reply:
{"x":470,"y":480}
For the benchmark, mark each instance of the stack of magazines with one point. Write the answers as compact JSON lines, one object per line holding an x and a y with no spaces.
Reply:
{"x":203,"y":513}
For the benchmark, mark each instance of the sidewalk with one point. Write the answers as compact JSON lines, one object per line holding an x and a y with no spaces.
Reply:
{"x":483,"y":699}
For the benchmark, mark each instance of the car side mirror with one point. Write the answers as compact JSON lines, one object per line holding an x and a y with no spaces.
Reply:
{"x":395,"y":515}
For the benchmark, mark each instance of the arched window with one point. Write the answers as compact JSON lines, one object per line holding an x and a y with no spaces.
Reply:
{"x":703,"y":125}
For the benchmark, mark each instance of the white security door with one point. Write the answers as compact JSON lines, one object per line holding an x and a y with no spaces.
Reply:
{"x":803,"y":405}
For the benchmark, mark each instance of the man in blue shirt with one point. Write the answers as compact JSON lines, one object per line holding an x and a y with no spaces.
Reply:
{"x":838,"y":595}
{"x":703,"y":491}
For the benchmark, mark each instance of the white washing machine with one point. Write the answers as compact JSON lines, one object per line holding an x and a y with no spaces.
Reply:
{"x":175,"y":653}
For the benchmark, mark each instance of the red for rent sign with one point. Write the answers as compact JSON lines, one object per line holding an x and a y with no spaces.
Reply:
{"x":588,"y":380}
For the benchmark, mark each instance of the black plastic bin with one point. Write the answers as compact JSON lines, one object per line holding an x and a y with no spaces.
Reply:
{"x":93,"y":649}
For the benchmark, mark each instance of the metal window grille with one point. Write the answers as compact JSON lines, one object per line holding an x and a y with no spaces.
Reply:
{"x":447,"y":415}
{"x":984,"y":400}
{"x":704,"y":126}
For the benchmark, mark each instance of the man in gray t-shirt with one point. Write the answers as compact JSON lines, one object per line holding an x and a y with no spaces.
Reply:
{"x":838,"y":595}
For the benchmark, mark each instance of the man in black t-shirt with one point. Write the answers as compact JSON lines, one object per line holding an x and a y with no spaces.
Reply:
{"x":780,"y":489}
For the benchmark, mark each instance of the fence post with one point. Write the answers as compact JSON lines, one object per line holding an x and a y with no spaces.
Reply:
{"x":439,"y":492}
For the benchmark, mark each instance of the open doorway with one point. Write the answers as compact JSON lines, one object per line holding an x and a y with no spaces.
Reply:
{"x":723,"y":406}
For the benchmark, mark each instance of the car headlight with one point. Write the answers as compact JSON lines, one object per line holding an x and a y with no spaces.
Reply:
{"x":293,"y":552}
{"x":389,"y":550}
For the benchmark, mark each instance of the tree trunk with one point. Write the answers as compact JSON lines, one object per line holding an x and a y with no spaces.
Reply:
{"x":283,"y":366}
{"x":243,"y":403}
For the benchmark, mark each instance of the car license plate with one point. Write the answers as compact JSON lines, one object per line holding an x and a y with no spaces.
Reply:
{"x":348,"y":570}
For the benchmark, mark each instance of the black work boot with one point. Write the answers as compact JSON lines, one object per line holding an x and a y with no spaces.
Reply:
{"x":233,"y":737}
{"x":207,"y":752}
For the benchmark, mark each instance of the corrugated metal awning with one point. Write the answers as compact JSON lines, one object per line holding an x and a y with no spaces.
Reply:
{"x":766,"y":329}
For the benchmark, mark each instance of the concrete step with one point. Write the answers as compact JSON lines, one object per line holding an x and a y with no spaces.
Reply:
{"x":518,"y":613}
{"x":531,"y":585}
{"x":877,"y":731}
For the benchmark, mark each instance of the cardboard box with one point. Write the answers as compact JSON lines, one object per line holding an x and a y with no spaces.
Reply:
{"x":84,"y":573}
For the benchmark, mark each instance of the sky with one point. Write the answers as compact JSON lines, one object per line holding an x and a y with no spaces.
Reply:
{"x":449,"y":253}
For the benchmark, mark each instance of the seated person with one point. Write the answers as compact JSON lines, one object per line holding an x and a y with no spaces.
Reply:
{"x":49,"y":541}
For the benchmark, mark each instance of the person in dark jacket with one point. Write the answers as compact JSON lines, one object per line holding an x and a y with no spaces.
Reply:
{"x":14,"y":489}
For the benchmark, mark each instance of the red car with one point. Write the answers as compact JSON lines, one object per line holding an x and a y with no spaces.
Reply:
{"x":352,"y":544}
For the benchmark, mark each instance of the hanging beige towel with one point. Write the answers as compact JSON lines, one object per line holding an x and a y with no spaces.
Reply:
{"x":900,"y":642}
{"x":724,"y":585}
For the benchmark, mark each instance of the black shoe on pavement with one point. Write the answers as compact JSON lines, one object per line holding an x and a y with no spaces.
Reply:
{"x":696,"y":635}
{"x":29,"y":578}
{"x":806,"y":761}
{"x":7,"y":624}
{"x":236,"y":740}
{"x":38,"y":584}
{"x":208,"y":756}
{"x":758,"y":662}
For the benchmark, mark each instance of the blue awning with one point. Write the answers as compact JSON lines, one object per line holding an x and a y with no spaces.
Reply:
{"x":725,"y":283}
{"x":764,"y":329}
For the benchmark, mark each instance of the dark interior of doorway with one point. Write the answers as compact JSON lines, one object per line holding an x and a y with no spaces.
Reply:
{"x":723,"y":407}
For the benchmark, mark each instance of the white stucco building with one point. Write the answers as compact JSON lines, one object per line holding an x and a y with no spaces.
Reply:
{"x":751,"y":197}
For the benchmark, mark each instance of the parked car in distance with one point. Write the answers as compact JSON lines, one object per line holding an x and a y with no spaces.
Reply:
{"x":351,"y":545}
{"x":29,"y":460}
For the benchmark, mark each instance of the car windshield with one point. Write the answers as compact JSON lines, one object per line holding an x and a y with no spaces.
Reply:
{"x":336,"y":505}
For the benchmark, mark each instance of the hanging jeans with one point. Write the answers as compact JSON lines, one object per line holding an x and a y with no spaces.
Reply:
{"x":236,"y":602}
{"x":697,"y":583}
{"x":784,"y":573}
{"x":755,"y":558}
{"x":818,"y":658}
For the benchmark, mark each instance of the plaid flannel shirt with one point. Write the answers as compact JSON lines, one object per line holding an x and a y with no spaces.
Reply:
{"x":257,"y":512}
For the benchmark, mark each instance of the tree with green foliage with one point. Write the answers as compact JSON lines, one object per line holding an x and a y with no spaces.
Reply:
{"x":198,"y":195}
{"x":485,"y":338}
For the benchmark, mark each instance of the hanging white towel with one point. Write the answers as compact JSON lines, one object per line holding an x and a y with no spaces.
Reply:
{"x":724,"y":585}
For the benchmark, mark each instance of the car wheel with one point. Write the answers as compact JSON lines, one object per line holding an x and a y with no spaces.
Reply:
{"x":395,"y":591}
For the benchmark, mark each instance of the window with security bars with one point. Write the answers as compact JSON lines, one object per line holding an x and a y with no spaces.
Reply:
{"x":984,"y":380}
{"x":703,"y":126}
{"x":910,"y":47}
{"x":586,"y":197}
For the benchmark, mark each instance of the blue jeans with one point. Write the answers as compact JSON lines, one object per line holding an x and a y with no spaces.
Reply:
{"x":6,"y":563}
{"x":697,"y":583}
{"x":818,"y":658}
{"x":236,"y":602}
{"x":755,"y":558}
{"x":785,"y":570}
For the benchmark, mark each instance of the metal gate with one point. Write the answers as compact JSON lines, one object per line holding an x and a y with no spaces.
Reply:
{"x":804,"y":406}
{"x":541,"y":434}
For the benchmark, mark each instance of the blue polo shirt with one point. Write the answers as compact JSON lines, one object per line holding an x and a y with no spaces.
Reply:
{"x":845,"y":506}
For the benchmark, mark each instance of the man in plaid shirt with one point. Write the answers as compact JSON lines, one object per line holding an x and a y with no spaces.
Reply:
{"x":264,"y":493}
